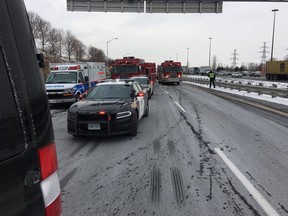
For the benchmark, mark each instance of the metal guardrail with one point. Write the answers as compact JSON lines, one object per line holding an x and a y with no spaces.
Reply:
{"x":273,"y":91}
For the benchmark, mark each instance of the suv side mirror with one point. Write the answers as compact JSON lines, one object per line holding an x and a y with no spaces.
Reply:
{"x":40,"y":60}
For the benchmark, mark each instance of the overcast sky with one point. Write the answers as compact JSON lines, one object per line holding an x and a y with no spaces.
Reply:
{"x":243,"y":26}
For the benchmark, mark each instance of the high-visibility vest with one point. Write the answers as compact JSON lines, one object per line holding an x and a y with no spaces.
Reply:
{"x":211,"y":75}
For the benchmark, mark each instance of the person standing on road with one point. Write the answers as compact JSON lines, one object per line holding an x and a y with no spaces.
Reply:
{"x":212,"y":77}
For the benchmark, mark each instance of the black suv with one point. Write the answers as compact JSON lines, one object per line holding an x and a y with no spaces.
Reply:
{"x":29,"y":183}
{"x":110,"y":108}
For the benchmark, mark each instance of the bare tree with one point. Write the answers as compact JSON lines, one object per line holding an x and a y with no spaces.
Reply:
{"x":53,"y":41}
{"x":43,"y":28}
{"x":80,"y":50}
{"x":69,"y":44}
{"x":33,"y":19}
{"x":61,"y":41}
{"x":96,"y":54}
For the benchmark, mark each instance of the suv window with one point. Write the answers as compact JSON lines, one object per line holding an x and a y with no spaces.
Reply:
{"x":11,"y":141}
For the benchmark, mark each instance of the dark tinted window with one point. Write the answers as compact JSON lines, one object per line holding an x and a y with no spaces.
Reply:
{"x":11,"y":137}
{"x":110,"y":91}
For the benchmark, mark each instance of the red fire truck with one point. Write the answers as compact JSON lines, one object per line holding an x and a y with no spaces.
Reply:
{"x":170,"y":72}
{"x":131,"y":66}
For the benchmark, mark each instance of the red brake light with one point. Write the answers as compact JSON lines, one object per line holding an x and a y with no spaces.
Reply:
{"x":55,"y":208}
{"x":102,"y":113}
{"x":77,"y":67}
{"x":140,"y":94}
{"x":48,"y":160}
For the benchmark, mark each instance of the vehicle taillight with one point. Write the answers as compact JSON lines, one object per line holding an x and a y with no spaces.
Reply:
{"x":48,"y":160}
{"x":49,"y":180}
{"x":54,"y":68}
{"x":179,"y":75}
{"x":140,"y":94}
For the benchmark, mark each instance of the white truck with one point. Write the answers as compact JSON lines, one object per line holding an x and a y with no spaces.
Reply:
{"x":67,"y":81}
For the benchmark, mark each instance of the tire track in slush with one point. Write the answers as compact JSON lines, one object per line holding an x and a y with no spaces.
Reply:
{"x":171,"y":147}
{"x":93,"y":147}
{"x":155,"y":185}
{"x":65,"y":180}
{"x":78,"y":149}
{"x":178,"y":187}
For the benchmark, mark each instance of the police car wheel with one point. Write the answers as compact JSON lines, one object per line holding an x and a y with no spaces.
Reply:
{"x":147,"y":110}
{"x":134,"y":125}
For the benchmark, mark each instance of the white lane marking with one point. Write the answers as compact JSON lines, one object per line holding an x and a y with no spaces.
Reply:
{"x":179,"y":106}
{"x":251,"y":189}
{"x":166,"y":92}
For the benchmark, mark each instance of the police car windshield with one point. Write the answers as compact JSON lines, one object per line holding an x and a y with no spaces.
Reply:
{"x":63,"y":77}
{"x":110,"y":91}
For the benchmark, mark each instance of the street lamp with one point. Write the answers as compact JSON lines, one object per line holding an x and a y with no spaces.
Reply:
{"x":187,"y":58}
{"x":210,"y":51}
{"x":107,"y":54}
{"x":274,"y":10}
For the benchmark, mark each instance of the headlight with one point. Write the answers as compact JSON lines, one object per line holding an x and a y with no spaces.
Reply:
{"x":70,"y":90}
{"x":123,"y":114}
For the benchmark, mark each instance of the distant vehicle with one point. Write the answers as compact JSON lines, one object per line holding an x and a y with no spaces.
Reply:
{"x":237,"y":74}
{"x":131,"y":66}
{"x":277,"y":70}
{"x":204,"y":70}
{"x":110,"y":108}
{"x":245,"y":73}
{"x":193,"y":70}
{"x":145,"y":83}
{"x":170,"y":72}
{"x":29,"y":183}
{"x":67,"y":81}
{"x":255,"y":74}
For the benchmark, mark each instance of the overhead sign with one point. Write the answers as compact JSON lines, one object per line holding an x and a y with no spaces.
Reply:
{"x":149,"y":6}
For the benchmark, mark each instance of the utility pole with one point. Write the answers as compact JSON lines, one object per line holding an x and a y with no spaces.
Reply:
{"x":263,"y":58}
{"x":264,"y":51}
{"x":234,"y":59}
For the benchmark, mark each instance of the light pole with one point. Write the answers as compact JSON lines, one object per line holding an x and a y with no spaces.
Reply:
{"x":210,"y":51}
{"x":107,"y":70}
{"x":187,"y":59}
{"x":274,"y":10}
{"x":176,"y":57}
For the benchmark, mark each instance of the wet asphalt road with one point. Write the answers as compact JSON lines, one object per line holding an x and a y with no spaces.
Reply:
{"x":172,"y":166}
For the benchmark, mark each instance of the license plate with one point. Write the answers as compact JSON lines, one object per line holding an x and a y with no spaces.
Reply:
{"x":52,"y":101}
{"x":94,"y":126}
